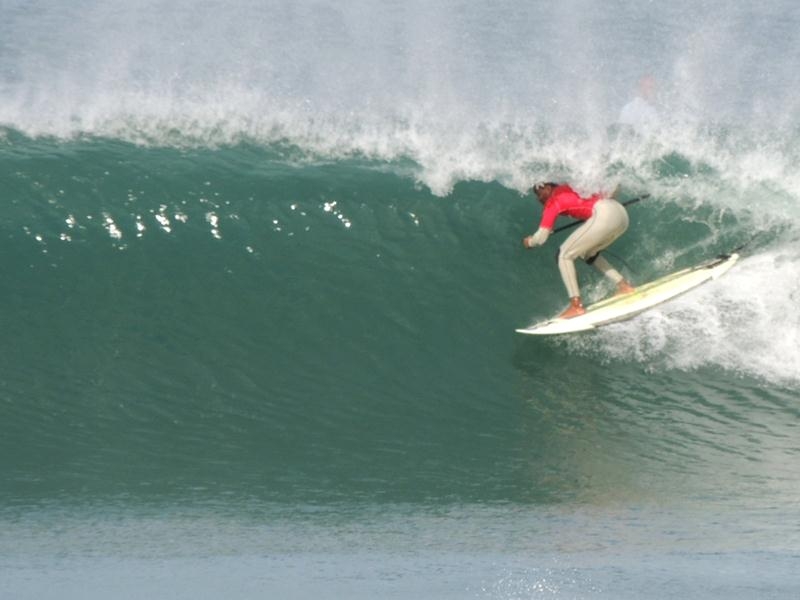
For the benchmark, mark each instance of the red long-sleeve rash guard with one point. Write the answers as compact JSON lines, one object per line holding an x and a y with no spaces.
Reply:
{"x":565,"y":201}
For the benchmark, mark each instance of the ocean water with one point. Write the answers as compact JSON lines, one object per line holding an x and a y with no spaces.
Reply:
{"x":261,"y":270}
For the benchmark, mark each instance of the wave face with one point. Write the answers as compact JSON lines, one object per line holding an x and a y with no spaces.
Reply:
{"x":273,"y":251}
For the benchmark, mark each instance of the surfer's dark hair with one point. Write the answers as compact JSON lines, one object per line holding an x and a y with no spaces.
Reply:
{"x":542,"y":184}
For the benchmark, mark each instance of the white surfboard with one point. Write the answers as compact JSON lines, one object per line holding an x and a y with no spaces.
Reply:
{"x":620,"y":308}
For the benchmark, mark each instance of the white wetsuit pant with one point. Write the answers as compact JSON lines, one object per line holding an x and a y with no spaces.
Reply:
{"x":609,"y":220}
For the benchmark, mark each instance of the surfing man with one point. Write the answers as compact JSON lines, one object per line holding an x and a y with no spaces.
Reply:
{"x":605,"y":220}
{"x":640,"y":113}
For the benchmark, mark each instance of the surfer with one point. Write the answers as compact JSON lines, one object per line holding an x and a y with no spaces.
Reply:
{"x":640,"y":113}
{"x":605,"y":220}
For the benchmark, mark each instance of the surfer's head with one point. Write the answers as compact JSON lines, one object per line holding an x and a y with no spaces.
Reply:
{"x":543,"y":189}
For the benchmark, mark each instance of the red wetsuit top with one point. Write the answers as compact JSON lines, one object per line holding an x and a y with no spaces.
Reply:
{"x":564,"y":201}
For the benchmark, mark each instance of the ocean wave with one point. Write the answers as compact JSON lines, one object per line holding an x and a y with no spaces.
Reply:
{"x":248,"y":205}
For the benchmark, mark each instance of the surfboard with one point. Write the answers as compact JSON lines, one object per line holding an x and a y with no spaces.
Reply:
{"x":621,"y":308}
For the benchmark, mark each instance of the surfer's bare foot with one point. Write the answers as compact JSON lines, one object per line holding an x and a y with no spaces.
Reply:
{"x":623,"y":287}
{"x":575,"y":309}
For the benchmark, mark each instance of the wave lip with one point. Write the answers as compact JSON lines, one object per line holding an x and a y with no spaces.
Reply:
{"x":466,"y":95}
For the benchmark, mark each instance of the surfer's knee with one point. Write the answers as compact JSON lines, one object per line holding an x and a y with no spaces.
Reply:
{"x":569,"y":253}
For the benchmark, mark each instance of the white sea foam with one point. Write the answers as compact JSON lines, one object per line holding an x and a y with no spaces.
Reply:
{"x":473,"y":92}
{"x":745,"y":322}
